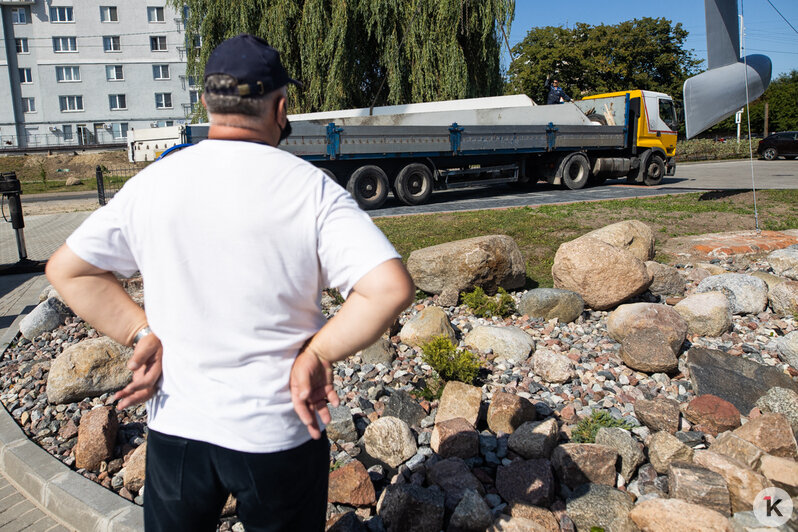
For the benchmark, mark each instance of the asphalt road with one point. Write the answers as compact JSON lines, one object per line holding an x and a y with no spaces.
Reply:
{"x":690,"y":177}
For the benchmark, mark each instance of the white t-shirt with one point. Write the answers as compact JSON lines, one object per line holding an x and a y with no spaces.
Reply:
{"x":235,"y":241}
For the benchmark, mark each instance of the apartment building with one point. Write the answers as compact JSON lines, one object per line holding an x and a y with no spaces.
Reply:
{"x":82,"y":72}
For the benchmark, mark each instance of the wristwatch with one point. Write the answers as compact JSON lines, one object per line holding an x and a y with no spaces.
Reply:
{"x":144,"y":331}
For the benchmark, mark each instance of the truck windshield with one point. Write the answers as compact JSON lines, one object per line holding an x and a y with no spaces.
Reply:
{"x":667,"y":113}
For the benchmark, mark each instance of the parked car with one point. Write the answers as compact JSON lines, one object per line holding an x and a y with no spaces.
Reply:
{"x":779,"y":144}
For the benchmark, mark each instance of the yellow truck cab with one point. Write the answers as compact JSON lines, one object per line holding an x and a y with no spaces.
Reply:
{"x":655,"y":135}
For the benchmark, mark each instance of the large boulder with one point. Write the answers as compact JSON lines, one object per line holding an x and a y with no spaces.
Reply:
{"x":630,"y":235}
{"x":600,"y":506}
{"x":675,"y":514}
{"x":747,"y":294}
{"x":602,"y":274}
{"x":665,"y":280}
{"x":411,"y":508}
{"x":380,"y":352}
{"x":88,"y":369}
{"x":526,"y":481}
{"x":549,"y":303}
{"x":350,"y":484}
{"x":783,"y":298}
{"x":648,"y":350}
{"x":389,"y":440}
{"x":706,"y":314}
{"x":45,"y":317}
{"x":489,"y":262}
{"x":510,"y":343}
{"x":785,"y":262}
{"x":627,"y":319}
{"x":426,"y":326}
{"x":744,"y":483}
{"x":788,"y":347}
{"x":737,"y":380}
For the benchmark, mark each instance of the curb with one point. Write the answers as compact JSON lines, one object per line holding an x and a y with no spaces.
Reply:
{"x":69,"y":497}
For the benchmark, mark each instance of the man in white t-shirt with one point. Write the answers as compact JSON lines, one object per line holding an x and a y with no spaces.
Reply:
{"x":235,"y":239}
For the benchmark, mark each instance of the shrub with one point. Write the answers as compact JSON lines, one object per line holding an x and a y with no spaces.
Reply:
{"x":450,"y":363}
{"x":586,"y":429}
{"x":485,"y":306}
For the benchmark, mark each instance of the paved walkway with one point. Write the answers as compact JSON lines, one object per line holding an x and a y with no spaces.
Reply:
{"x":37,"y":492}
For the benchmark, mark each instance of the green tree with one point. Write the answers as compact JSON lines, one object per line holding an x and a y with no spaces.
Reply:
{"x":645,"y":53}
{"x":424,"y":50}
{"x":782,"y":98}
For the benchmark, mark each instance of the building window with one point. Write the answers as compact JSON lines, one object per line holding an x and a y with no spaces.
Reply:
{"x":119,"y":130}
{"x":158,"y":44}
{"x":70,"y":103}
{"x":65,"y":74}
{"x":25,"y":75}
{"x":28,"y":105}
{"x":61,"y":14}
{"x":65,"y":44}
{"x":114,"y":73}
{"x":155,"y":14}
{"x":197,"y":41}
{"x":117,"y":102}
{"x":67,"y":132}
{"x":108,"y":14}
{"x":19,"y":15}
{"x":111,"y":43}
{"x":193,"y":98}
{"x":163,"y":100}
{"x":22,"y":45}
{"x":160,"y":71}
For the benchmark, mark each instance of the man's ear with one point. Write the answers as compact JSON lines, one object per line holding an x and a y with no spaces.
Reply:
{"x":202,"y":99}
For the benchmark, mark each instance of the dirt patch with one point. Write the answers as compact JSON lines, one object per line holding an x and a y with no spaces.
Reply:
{"x":62,"y":165}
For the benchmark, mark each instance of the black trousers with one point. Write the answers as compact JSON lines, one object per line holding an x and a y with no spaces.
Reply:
{"x":187,"y":483}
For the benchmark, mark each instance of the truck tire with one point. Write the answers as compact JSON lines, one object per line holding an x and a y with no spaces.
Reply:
{"x":413,"y":184}
{"x":654,"y":170}
{"x":597,"y":118}
{"x":575,"y":171}
{"x":369,"y":186}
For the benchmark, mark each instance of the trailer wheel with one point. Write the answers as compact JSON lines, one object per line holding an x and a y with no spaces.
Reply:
{"x":369,"y":186}
{"x":575,"y":171}
{"x":413,"y":185}
{"x":654,"y":170}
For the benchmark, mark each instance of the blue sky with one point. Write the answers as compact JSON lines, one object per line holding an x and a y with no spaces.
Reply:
{"x":765,"y":31}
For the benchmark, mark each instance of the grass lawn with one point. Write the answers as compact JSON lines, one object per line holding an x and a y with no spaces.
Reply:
{"x":540,"y":230}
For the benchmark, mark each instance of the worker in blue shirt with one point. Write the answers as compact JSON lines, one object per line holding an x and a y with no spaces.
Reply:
{"x":554,"y":93}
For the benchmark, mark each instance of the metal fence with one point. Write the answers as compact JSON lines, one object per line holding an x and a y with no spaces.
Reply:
{"x":110,"y":180}
{"x":46,"y":140}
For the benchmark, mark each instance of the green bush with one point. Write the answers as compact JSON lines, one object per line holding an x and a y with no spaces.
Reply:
{"x":485,"y":306}
{"x":586,"y":429}
{"x":450,"y":363}
{"x":708,"y":149}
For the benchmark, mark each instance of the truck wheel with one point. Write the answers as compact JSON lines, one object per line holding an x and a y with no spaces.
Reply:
{"x":770,"y":154}
{"x":654,"y":171}
{"x":597,"y":118}
{"x":369,"y":186}
{"x":413,"y":185}
{"x":575,"y":171}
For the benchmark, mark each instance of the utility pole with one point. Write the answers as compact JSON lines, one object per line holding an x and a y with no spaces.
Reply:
{"x":765,"y":134}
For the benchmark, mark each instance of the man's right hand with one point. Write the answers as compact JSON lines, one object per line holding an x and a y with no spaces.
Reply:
{"x":146,"y":365}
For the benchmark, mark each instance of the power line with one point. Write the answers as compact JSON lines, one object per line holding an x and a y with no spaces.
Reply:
{"x":782,"y":16}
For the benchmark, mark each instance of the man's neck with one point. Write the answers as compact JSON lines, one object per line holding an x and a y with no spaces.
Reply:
{"x":228,"y":132}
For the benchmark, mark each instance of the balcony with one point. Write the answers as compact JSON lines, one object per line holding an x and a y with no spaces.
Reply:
{"x":17,"y":2}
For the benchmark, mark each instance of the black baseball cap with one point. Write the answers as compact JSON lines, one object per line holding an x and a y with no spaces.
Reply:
{"x":252,"y":62}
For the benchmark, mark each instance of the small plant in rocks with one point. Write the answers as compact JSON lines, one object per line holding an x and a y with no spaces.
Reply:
{"x":586,"y":429}
{"x":432,"y":389}
{"x":449,"y":362}
{"x":485,"y":306}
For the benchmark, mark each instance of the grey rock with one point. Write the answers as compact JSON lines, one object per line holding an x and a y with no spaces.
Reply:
{"x":454,"y":477}
{"x":411,"y":508}
{"x":628,"y":448}
{"x":510,"y":343}
{"x":788,"y":347}
{"x":582,"y":463}
{"x":471,"y":514}
{"x":735,"y":379}
{"x":781,"y":401}
{"x":664,"y":449}
{"x":747,"y":294}
{"x":596,"y":505}
{"x":380,"y":352}
{"x":647,"y":350}
{"x":552,"y":367}
{"x":629,"y":318}
{"x":666,"y":280}
{"x":426,"y":326}
{"x":47,"y":315}
{"x":632,"y":236}
{"x":526,"y":481}
{"x":341,"y":425}
{"x":706,"y":314}
{"x":658,"y":414}
{"x":88,"y":369}
{"x":535,"y":439}
{"x":784,"y":262}
{"x":783,"y":298}
{"x":402,"y":405}
{"x":549,"y":303}
{"x":348,"y":522}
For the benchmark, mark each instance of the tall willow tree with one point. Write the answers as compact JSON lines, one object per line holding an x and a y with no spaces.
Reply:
{"x":344,"y":50}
